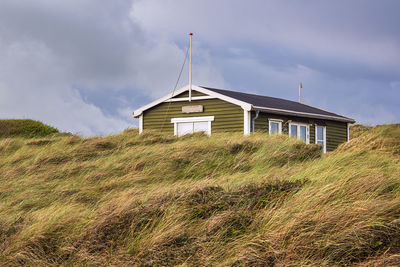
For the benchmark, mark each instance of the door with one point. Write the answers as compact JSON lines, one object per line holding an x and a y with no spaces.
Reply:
{"x":184,"y":128}
{"x":192,"y":127}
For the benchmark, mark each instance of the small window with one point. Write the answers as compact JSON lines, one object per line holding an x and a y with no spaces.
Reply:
{"x":320,"y":136}
{"x":300,"y":131}
{"x":275,"y":126}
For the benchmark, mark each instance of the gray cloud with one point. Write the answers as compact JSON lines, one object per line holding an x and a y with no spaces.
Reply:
{"x":83,"y":66}
{"x":347,"y":54}
{"x":67,"y":62}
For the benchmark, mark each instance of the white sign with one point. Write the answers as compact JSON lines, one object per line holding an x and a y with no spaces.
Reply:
{"x":192,"y":109}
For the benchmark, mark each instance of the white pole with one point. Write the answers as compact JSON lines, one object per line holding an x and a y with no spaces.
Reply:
{"x":190,"y":68}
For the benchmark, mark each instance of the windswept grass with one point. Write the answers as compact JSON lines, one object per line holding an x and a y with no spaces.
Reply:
{"x":225,"y":200}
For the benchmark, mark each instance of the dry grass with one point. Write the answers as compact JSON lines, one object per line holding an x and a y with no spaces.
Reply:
{"x":228,"y":200}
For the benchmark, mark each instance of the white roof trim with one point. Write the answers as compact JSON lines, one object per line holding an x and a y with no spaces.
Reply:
{"x":304,"y":114}
{"x":244,"y":105}
{"x":194,"y":98}
{"x":139,"y":111}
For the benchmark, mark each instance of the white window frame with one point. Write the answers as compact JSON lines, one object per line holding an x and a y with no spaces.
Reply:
{"x":208,"y":119}
{"x":298,"y":124}
{"x":276,"y":121}
{"x":324,"y":134}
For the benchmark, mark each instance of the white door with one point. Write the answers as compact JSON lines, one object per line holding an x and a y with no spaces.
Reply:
{"x":191,"y":125}
{"x":184,"y":128}
{"x":200,"y":126}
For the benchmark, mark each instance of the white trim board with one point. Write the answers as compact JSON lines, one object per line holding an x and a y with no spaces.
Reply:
{"x":187,"y":98}
{"x":244,"y":105}
{"x":139,"y":111}
{"x":192,"y":119}
{"x":246,"y":122}
{"x":302,"y":114}
{"x":208,"y":119}
{"x":140,"y":124}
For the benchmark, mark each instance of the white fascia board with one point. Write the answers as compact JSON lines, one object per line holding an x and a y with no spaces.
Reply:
{"x":140,"y":124}
{"x":246,"y":122}
{"x":244,"y":105}
{"x":192,"y":119}
{"x":277,"y":120}
{"x":181,"y":99}
{"x":304,"y":114}
{"x":139,"y":111}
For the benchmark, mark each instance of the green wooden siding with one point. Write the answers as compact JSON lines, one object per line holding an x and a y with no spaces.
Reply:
{"x":227,"y":117}
{"x":186,"y":94}
{"x":336,"y":132}
{"x":312,"y":134}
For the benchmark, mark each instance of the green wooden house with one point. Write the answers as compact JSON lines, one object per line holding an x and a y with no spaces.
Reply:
{"x":213,"y":110}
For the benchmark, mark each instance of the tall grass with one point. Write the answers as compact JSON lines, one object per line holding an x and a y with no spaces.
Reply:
{"x":225,"y":200}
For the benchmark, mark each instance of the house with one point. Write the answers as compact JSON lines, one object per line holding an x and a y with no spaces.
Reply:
{"x":212,"y":110}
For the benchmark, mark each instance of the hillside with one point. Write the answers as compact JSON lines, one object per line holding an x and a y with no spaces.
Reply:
{"x":228,"y":200}
{"x":25,"y":128}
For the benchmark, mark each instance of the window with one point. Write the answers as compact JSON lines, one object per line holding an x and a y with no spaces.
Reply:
{"x":320,"y":136}
{"x":191,"y":125}
{"x":300,"y":131}
{"x":275,"y":126}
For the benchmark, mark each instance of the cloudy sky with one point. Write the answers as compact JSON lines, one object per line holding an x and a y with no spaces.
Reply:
{"x":83,"y":66}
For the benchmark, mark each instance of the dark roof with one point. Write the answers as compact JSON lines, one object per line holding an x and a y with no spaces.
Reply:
{"x":276,"y":103}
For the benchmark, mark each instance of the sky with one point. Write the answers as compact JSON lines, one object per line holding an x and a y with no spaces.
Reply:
{"x":83,"y":66}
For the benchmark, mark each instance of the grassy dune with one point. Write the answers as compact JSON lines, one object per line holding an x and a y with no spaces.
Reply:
{"x":25,"y":128}
{"x":228,"y":200}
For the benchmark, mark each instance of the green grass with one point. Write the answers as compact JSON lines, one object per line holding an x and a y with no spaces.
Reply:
{"x":25,"y":128}
{"x":225,"y":200}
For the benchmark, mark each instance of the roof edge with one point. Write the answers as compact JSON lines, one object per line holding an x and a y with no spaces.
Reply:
{"x":242,"y":104}
{"x":140,"y":110}
{"x":246,"y":106}
{"x":304,"y":114}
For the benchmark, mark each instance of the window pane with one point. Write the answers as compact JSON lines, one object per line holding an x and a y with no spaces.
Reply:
{"x":293,"y":130}
{"x":274,"y":127}
{"x":303,"y":132}
{"x":320,"y":142}
{"x":320,"y":133}
{"x":201,"y":126}
{"x":184,"y":128}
